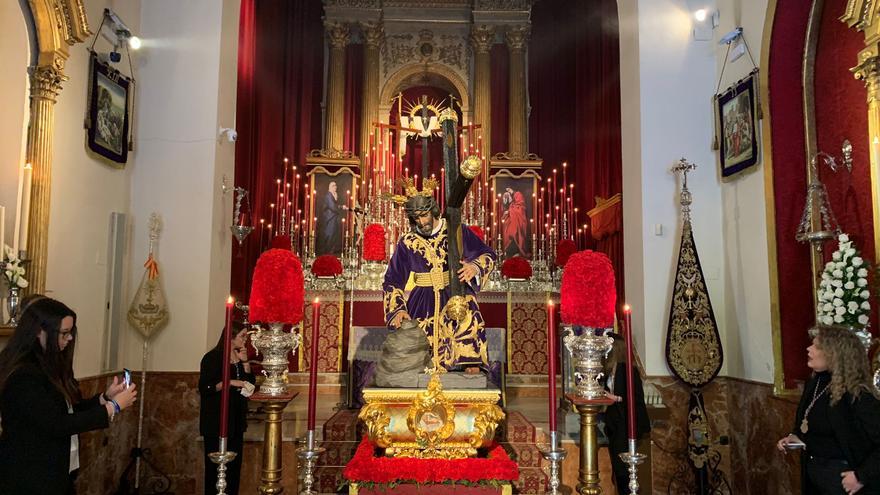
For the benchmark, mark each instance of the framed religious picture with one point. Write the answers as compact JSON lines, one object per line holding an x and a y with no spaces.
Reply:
{"x":108,"y":112}
{"x":738,"y":126}
{"x":332,"y":204}
{"x":515,"y":208}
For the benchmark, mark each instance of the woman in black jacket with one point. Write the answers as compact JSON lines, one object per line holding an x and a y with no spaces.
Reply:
{"x":615,"y":414}
{"x":838,"y":419}
{"x":41,"y":406}
{"x":210,"y":385}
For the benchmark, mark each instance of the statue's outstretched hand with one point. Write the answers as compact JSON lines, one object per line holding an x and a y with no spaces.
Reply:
{"x":468,"y":271}
{"x":399,"y":318}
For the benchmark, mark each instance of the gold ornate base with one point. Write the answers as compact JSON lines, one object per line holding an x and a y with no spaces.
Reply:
{"x":431,"y":423}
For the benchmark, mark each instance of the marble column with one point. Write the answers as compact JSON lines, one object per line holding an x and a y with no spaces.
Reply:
{"x":517,"y":38}
{"x":482,"y":38}
{"x":370,"y":100}
{"x":339,"y":36}
{"x":45,"y":87}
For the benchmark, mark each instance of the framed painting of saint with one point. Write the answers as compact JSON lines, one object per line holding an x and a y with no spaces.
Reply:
{"x":515,"y":209}
{"x":331,"y":207}
{"x":108,"y":113}
{"x":738,"y":126}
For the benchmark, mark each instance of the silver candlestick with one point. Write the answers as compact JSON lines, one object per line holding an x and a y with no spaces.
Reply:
{"x":633,"y":459}
{"x":554,"y":456}
{"x":309,"y":455}
{"x":222,"y":458}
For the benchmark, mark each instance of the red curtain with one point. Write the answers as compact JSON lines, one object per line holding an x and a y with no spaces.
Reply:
{"x":499,"y":80}
{"x":574,"y":85}
{"x":278,"y":108}
{"x":354,"y":83}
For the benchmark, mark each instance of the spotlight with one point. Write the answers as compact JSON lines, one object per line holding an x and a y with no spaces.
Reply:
{"x":700,"y":15}
{"x":134,"y":43}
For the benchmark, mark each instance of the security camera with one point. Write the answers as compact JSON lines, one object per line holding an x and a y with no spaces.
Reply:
{"x":231,"y":134}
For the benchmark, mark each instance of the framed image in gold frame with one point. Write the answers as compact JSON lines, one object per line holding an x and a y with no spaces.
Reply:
{"x":331,"y":206}
{"x":515,"y":208}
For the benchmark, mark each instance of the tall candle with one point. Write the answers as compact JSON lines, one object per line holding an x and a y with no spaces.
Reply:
{"x":551,"y":362}
{"x":2,"y":229}
{"x":630,"y":390}
{"x":313,"y":362}
{"x":227,"y":350}
{"x":25,"y":207}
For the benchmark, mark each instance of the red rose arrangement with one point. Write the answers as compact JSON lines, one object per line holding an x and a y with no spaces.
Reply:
{"x":374,"y":242}
{"x":564,"y":250}
{"x":516,"y":267}
{"x":364,"y":467}
{"x":277,"y":288}
{"x":588,"y":295}
{"x":281,"y":242}
{"x":327,"y":265}
{"x":478,"y":232}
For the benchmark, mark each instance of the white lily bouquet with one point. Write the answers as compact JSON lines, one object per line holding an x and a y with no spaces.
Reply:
{"x":843,"y":291}
{"x":13,"y":271}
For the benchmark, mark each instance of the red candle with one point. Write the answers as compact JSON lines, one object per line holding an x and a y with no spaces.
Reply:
{"x":630,"y":390}
{"x":313,"y":362}
{"x":227,"y":350}
{"x":551,"y":361}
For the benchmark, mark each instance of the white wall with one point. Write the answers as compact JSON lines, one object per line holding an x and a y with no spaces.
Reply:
{"x":676,"y":77}
{"x":185,"y":95}
{"x":15,"y":48}
{"x":748,"y":347}
{"x":85,"y":191}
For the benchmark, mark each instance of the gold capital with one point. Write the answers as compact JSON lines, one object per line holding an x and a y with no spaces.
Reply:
{"x":46,"y":82}
{"x":338,"y":33}
{"x":517,"y":37}
{"x":483,"y":37}
{"x":373,"y":34}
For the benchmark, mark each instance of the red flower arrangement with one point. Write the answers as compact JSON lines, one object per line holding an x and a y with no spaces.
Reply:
{"x":588,"y":295}
{"x":516,"y":267}
{"x":364,"y":467}
{"x":281,"y":242}
{"x":564,"y":250}
{"x":478,"y":232}
{"x":277,"y":288}
{"x":327,"y":265}
{"x":374,"y":242}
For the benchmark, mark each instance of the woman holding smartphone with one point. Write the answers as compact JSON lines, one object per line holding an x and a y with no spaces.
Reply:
{"x":838,"y":419}
{"x":210,"y":385}
{"x":41,"y":406}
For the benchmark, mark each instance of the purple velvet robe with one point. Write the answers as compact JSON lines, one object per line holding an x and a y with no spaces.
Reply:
{"x":461,"y":344}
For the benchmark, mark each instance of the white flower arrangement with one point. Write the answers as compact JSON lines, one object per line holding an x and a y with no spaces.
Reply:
{"x":13,"y":271}
{"x":843,"y":294}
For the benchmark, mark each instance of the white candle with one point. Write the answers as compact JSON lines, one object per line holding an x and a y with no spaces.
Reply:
{"x":2,"y":229}
{"x":24,"y":213}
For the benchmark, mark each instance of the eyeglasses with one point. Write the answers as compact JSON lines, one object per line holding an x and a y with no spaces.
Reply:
{"x":66,"y":334}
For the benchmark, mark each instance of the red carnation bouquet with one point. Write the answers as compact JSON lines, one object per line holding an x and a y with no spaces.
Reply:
{"x":478,"y":232}
{"x":277,"y":288}
{"x":327,"y":265}
{"x":516,"y":267}
{"x":374,"y":242}
{"x":564,"y":250}
{"x":588,"y":295}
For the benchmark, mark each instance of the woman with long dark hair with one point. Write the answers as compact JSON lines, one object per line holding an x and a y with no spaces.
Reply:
{"x":210,"y":385}
{"x":838,"y":419}
{"x":41,"y":406}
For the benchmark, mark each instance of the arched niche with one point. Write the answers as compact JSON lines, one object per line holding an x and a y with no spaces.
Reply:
{"x":437,"y":75}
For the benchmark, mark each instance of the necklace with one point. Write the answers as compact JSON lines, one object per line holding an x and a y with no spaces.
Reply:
{"x":805,"y":425}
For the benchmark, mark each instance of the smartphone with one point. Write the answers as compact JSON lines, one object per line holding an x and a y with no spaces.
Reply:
{"x":795,"y":445}
{"x":126,"y":377}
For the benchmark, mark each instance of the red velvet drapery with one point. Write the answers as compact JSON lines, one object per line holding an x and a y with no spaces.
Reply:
{"x":499,"y":79}
{"x":574,"y":87}
{"x":354,"y":88}
{"x":278,"y":108}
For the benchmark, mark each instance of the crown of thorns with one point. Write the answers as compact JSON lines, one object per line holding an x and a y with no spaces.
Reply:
{"x":411,"y":191}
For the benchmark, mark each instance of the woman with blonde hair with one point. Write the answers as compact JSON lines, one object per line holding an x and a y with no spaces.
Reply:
{"x":615,"y":414}
{"x":838,"y":419}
